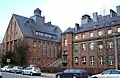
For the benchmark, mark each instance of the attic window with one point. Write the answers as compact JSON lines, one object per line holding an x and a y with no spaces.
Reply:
{"x":36,"y":33}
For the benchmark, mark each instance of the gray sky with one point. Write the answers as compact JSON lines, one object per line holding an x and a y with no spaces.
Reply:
{"x":63,"y":13}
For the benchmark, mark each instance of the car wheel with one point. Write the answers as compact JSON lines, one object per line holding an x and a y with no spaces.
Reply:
{"x":22,"y":73}
{"x":58,"y":76}
{"x":31,"y":74}
{"x":74,"y":77}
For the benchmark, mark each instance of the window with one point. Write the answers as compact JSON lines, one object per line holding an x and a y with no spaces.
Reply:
{"x":54,"y":37}
{"x":36,"y":33}
{"x":75,"y":59}
{"x":76,"y":37}
{"x":41,"y":34}
{"x":65,"y":42}
{"x":76,"y":48}
{"x":84,"y":60}
{"x":101,"y":58}
{"x":83,"y":46}
{"x":67,"y":70}
{"x":100,"y":44}
{"x":83,"y":35}
{"x":71,"y":70}
{"x":118,"y":29}
{"x":110,"y":60}
{"x":91,"y":34}
{"x":39,"y":44}
{"x":110,"y":44}
{"x":118,"y":42}
{"x":91,"y":60}
{"x":43,"y":50}
{"x":91,"y":45}
{"x":109,"y":31}
{"x":100,"y":33}
{"x":34,"y":43}
{"x":106,"y":72}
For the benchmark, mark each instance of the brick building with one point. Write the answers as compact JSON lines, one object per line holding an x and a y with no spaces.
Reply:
{"x":92,"y":44}
{"x":43,"y":39}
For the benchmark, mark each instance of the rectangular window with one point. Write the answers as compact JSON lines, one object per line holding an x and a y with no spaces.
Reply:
{"x":110,"y":60}
{"x":83,"y":46}
{"x":43,"y":50}
{"x":100,"y":44}
{"x":91,"y":45}
{"x":76,"y":60}
{"x":65,"y":42}
{"x":101,"y":59}
{"x":36,"y":33}
{"x":118,"y":29}
{"x":34,"y":43}
{"x":110,"y":44}
{"x":109,"y":31}
{"x":39,"y":44}
{"x":84,"y":60}
{"x":91,"y":60}
{"x":83,"y":35}
{"x":76,"y":48}
{"x":41,"y":34}
{"x":118,"y":42}
{"x":91,"y":34}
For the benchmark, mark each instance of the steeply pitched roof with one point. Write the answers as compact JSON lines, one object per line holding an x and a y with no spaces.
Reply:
{"x":28,"y":27}
{"x":105,"y":21}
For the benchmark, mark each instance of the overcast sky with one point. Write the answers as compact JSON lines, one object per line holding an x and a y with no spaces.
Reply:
{"x":63,"y":13}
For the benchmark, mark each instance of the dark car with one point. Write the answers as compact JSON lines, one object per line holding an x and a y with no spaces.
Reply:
{"x":72,"y":73}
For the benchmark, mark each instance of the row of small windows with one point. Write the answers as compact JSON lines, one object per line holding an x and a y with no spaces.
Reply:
{"x":100,"y":33}
{"x":101,"y":60}
{"x":46,"y":35}
{"x":100,"y":44}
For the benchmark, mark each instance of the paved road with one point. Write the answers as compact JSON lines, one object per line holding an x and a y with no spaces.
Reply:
{"x":12,"y":75}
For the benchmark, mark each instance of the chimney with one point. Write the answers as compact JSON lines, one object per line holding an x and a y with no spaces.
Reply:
{"x":76,"y":26}
{"x":95,"y":17}
{"x":118,"y":10}
{"x":85,"y":19}
{"x":112,"y":13}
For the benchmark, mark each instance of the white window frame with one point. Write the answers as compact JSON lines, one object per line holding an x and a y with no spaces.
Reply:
{"x":92,"y":45}
{"x":83,"y":59}
{"x":110,"y":44}
{"x":91,"y":34}
{"x":101,"y":60}
{"x":100,"y":33}
{"x":65,"y":41}
{"x":118,"y":29}
{"x":76,"y":37}
{"x":109,"y":31}
{"x":83,"y":35}
{"x":91,"y":60}
{"x":83,"y":46}
{"x":76,"y":59}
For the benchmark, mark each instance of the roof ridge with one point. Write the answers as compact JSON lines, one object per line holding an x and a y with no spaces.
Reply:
{"x":20,"y":16}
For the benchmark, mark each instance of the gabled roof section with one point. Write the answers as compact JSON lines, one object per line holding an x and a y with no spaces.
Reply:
{"x":28,"y":27}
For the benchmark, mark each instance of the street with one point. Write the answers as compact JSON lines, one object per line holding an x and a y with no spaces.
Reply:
{"x":12,"y":75}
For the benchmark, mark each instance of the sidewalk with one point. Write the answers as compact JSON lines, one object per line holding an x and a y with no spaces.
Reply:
{"x":48,"y":74}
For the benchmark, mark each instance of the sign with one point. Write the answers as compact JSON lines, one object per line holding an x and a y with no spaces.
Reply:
{"x":8,"y":60}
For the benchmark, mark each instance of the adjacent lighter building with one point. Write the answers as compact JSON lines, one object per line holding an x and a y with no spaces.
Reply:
{"x":92,"y":44}
{"x":44,"y":39}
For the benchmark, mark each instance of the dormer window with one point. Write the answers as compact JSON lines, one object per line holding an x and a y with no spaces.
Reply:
{"x":36,"y":33}
{"x":41,"y":34}
{"x":100,"y":33}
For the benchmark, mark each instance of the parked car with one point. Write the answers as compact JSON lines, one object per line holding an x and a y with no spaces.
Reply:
{"x":17,"y":69}
{"x":111,"y":73}
{"x":72,"y":73}
{"x":31,"y":71}
{"x":0,"y":75}
{"x":7,"y":68}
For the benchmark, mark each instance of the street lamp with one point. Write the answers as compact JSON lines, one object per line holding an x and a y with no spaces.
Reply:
{"x":115,"y":48}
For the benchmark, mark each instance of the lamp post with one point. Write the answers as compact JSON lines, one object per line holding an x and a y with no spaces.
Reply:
{"x":115,"y":49}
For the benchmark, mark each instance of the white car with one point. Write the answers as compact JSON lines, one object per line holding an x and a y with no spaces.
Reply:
{"x":6,"y":68}
{"x":111,"y":73}
{"x":31,"y":71}
{"x":0,"y":75}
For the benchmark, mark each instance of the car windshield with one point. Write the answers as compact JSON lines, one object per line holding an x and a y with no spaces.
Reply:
{"x":106,"y":72}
